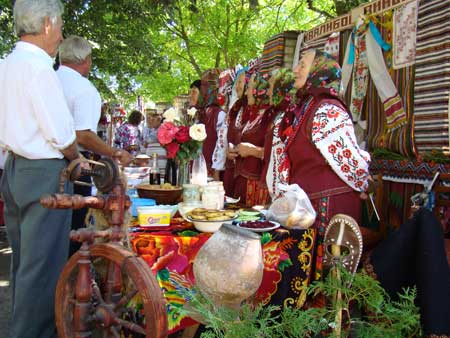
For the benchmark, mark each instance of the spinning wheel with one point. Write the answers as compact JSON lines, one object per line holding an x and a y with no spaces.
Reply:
{"x":132,"y":307}
{"x":104,"y":290}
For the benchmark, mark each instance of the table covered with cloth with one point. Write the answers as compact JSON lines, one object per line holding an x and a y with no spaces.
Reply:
{"x":170,"y":253}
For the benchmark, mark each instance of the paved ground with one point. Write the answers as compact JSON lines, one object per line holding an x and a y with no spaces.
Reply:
{"x":5,"y":301}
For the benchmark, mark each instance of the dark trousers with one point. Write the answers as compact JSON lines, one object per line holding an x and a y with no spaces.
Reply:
{"x":414,"y":255}
{"x":39,"y":239}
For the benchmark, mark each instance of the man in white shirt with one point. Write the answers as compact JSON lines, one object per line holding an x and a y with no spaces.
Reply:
{"x":37,"y":128}
{"x":85,"y":104}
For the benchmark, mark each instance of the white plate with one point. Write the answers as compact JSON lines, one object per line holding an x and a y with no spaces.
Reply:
{"x":275,"y":226}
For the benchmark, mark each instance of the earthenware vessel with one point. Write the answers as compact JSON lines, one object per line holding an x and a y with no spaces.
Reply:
{"x":229,"y":266}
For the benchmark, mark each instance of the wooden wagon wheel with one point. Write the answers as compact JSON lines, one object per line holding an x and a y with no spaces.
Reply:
{"x":138,"y":310}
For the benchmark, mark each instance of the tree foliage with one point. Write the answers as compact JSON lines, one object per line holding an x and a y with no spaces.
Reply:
{"x":157,"y":48}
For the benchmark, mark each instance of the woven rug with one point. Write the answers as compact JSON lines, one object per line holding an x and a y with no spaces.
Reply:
{"x":432,"y":80}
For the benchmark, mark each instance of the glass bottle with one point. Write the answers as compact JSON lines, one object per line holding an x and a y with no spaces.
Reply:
{"x":155,"y":176}
{"x":170,"y":175}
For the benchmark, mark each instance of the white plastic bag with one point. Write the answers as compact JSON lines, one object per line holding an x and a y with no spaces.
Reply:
{"x":292,"y":210}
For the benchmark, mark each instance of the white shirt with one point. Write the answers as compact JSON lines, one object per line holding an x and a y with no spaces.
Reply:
{"x":82,"y":98}
{"x":219,"y":156}
{"x":35,"y":121}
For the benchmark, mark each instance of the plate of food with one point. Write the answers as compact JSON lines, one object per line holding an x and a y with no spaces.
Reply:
{"x":259,"y":226}
{"x":210,"y":220}
{"x":249,"y":215}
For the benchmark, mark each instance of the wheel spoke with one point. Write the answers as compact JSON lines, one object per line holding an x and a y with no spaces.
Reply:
{"x":125,"y":299}
{"x":131,"y":326}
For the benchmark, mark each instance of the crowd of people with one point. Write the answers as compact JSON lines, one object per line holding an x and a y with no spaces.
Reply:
{"x":288,"y":127}
{"x":292,"y":127}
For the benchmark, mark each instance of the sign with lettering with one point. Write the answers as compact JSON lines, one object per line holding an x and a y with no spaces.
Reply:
{"x":346,"y":21}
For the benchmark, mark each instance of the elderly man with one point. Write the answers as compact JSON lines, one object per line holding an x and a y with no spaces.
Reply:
{"x":85,"y":104}
{"x":37,"y":128}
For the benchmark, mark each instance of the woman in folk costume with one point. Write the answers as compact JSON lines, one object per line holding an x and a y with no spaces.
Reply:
{"x":274,"y":172}
{"x":248,"y":149}
{"x":238,"y":103}
{"x":314,"y":146}
{"x":325,"y":161}
{"x":214,"y":118}
{"x":323,"y":157}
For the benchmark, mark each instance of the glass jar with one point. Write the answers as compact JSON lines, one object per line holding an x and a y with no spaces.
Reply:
{"x":191,"y":192}
{"x":210,"y":197}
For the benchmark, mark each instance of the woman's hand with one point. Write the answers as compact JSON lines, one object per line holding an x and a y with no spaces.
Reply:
{"x":246,"y":149}
{"x":371,"y":187}
{"x":232,"y":154}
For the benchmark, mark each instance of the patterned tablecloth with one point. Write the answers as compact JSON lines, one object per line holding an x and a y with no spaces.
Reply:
{"x":170,"y":253}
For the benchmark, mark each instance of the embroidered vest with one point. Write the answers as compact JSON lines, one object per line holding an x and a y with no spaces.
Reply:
{"x":210,"y":120}
{"x":251,"y":167}
{"x":308,"y":167}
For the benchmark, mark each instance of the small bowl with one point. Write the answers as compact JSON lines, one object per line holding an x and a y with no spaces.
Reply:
{"x":209,"y":226}
{"x":185,"y":207}
{"x":142,"y":160}
{"x":161,"y":196}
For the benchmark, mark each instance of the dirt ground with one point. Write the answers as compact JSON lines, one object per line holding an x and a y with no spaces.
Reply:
{"x":5,"y":300}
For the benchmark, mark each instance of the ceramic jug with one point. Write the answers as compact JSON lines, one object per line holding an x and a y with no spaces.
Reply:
{"x":229,"y":266}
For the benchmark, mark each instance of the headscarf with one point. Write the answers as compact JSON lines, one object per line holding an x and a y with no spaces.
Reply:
{"x":210,"y":87}
{"x":260,"y":94}
{"x":324,"y":77}
{"x":234,"y":96}
{"x":226,"y":79}
{"x":283,"y":86}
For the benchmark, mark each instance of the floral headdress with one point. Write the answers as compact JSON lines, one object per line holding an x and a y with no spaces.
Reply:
{"x":210,"y":87}
{"x":283,"y":87}
{"x":324,"y":76}
{"x":234,"y":96}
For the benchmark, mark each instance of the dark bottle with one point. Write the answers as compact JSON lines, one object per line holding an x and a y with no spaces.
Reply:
{"x":155,"y":176}
{"x":170,"y":175}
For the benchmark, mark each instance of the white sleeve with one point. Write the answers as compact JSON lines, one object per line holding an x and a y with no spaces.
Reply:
{"x":50,"y":107}
{"x":219,"y":156}
{"x":86,"y":109}
{"x":334,"y":136}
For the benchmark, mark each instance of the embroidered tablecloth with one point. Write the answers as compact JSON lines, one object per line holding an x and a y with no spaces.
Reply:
{"x":170,"y":254}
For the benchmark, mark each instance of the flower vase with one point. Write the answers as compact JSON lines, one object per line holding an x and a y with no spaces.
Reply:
{"x":183,"y":173}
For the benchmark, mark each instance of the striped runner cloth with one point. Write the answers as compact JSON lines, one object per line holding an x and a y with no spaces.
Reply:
{"x":432,"y":79}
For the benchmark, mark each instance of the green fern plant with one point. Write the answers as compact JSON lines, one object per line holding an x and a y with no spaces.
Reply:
{"x":367,"y":312}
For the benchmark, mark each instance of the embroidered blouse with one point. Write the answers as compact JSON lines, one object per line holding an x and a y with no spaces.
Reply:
{"x":334,"y":136}
{"x":219,"y":156}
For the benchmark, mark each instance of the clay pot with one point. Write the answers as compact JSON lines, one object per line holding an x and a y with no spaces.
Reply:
{"x":229,"y":266}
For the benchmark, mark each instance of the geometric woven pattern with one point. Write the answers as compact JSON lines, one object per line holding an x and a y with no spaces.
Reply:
{"x":432,"y":82}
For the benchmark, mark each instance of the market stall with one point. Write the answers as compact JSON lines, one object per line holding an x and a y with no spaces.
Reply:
{"x":170,"y":252}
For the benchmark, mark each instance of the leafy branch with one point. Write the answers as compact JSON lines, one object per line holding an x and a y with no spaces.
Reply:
{"x":369,"y":312}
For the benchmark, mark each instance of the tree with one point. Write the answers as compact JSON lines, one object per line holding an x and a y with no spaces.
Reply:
{"x":157,"y":48}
